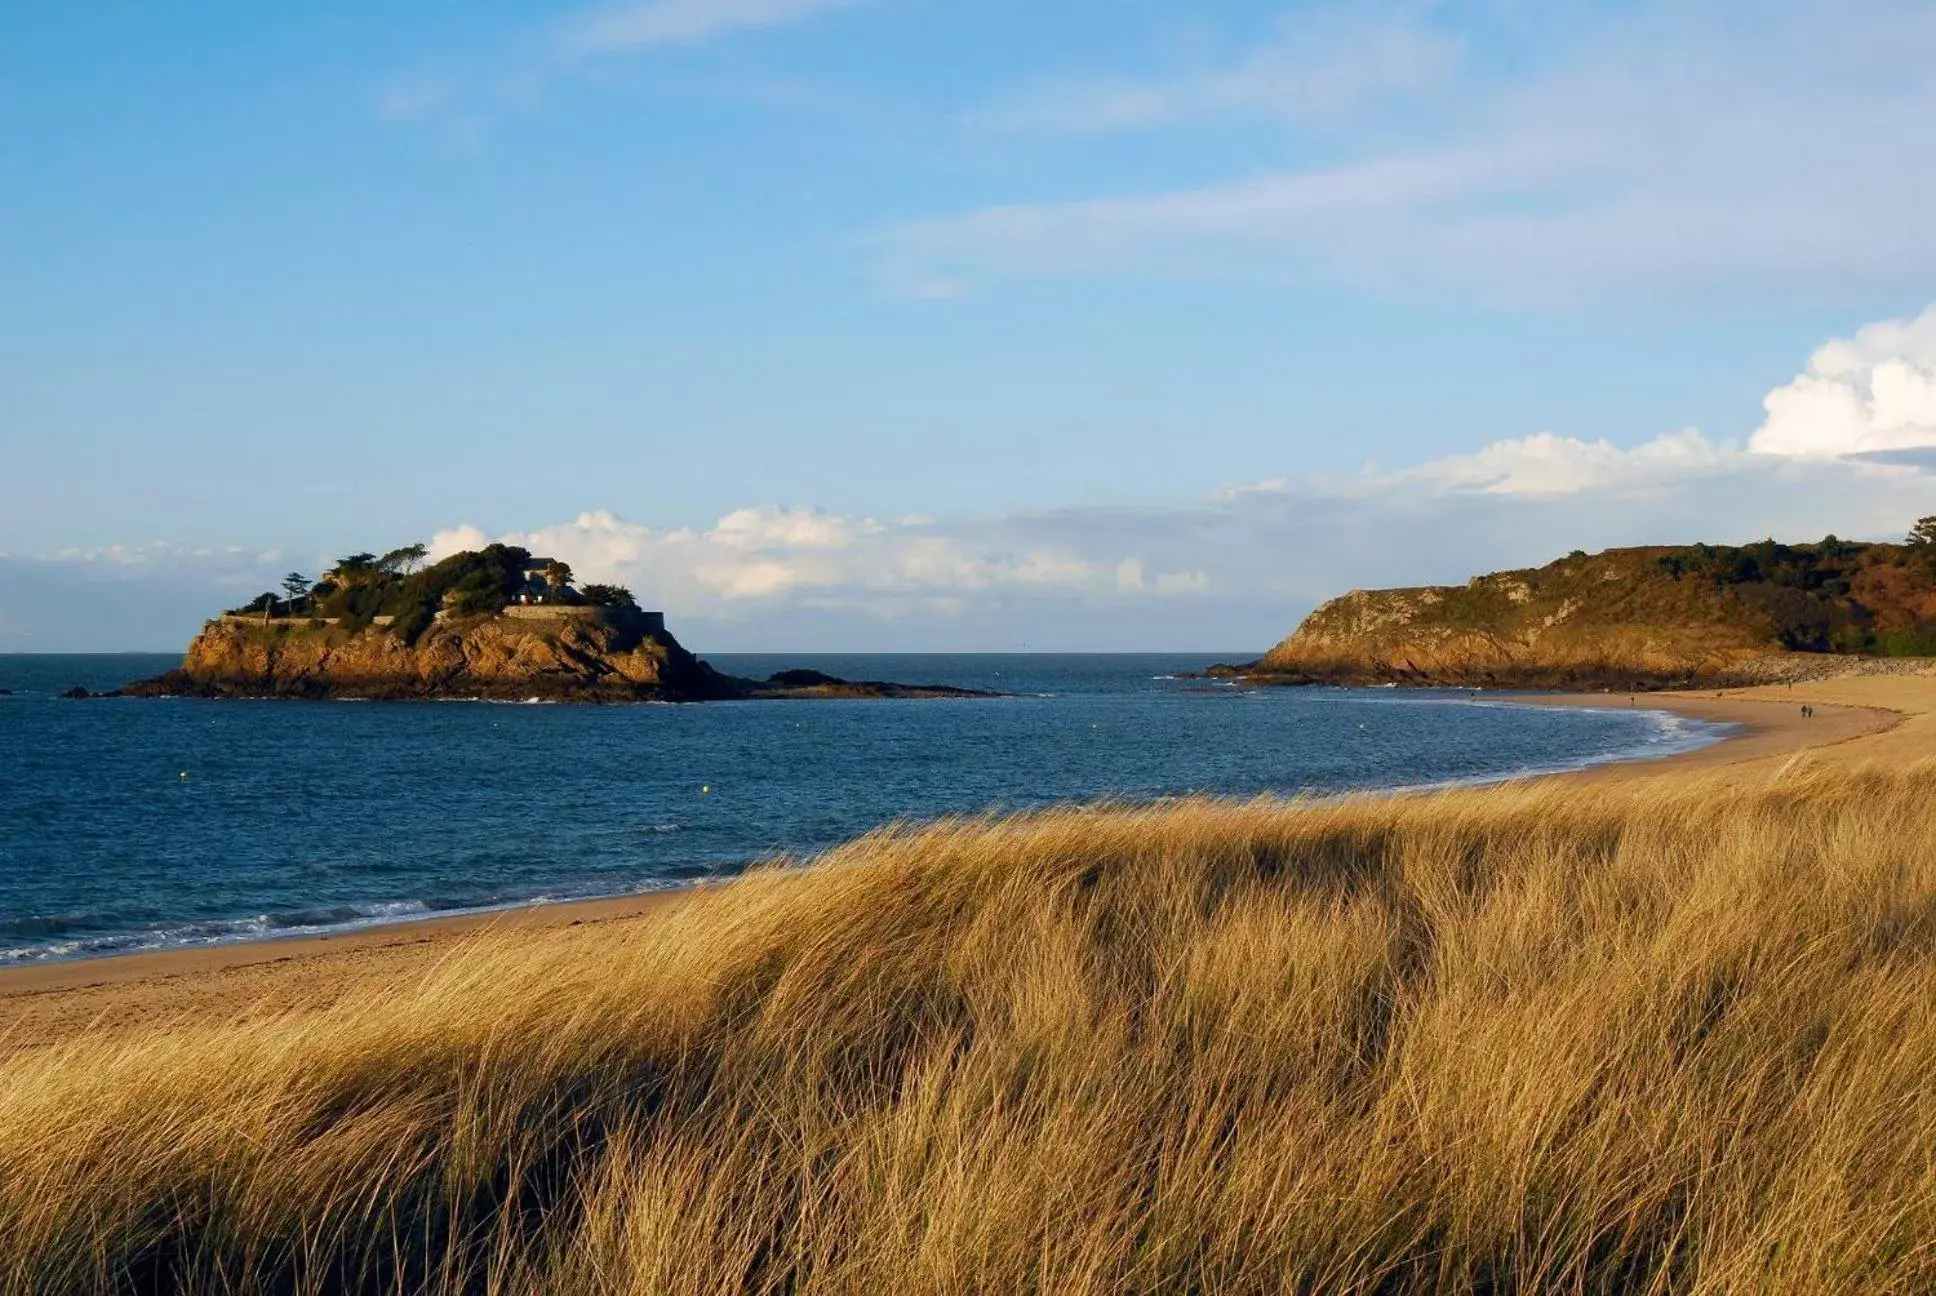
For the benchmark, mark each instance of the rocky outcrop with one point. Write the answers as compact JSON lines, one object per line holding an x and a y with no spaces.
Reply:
{"x":819,"y":684}
{"x":594,"y":657}
{"x":1621,"y":619}
{"x":609,"y":655}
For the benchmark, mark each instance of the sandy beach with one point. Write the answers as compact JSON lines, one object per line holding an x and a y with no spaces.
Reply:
{"x":1857,"y":719}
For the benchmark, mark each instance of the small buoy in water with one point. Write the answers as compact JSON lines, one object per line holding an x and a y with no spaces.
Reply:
{"x":1361,"y":726}
{"x":705,"y":788}
{"x":183,"y":774}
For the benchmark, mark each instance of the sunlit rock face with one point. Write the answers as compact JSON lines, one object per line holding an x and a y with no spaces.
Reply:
{"x":1624,"y":618}
{"x":591,"y":657}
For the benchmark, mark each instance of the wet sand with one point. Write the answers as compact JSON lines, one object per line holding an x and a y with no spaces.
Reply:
{"x":1769,"y":723}
{"x":1890,"y":719}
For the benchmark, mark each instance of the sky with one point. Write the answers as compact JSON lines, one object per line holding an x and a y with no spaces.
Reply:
{"x":928,"y":325}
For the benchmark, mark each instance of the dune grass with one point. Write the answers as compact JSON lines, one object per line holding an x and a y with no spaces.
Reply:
{"x":1667,"y":1036}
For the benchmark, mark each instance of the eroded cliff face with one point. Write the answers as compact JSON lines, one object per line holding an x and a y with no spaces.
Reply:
{"x":1607,"y":621}
{"x":590,"y":658}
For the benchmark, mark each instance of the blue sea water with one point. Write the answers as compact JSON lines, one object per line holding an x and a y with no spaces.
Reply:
{"x":131,"y":824}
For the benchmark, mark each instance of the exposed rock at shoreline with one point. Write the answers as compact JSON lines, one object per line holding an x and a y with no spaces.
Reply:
{"x":608,"y":656}
{"x":812,"y":683}
{"x":1626,"y":619}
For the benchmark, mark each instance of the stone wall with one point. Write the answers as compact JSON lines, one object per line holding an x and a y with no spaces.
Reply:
{"x":654,"y":622}
{"x":255,"y":619}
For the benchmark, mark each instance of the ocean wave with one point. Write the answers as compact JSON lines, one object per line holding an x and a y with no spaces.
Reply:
{"x":318,"y":921}
{"x":181,"y":935}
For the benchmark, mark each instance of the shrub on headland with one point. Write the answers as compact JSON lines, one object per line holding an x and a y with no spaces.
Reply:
{"x":611,"y":596}
{"x":1814,"y":595}
{"x":1648,"y":1037}
{"x":361,"y":587}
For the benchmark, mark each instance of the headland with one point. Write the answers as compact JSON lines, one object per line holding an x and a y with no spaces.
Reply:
{"x":1663,"y":617}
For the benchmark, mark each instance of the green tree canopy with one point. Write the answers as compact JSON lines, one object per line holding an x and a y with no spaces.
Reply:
{"x":609,"y":596}
{"x":404,"y":559}
{"x":354,"y":567}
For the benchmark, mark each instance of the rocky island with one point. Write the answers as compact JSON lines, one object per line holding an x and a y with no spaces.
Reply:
{"x":496,"y":623}
{"x":1642,"y":618}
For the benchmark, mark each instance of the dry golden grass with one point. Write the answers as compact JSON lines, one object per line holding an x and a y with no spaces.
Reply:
{"x":1555,"y":1038}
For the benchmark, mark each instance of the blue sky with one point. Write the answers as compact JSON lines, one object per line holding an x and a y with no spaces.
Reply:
{"x":914,"y":323}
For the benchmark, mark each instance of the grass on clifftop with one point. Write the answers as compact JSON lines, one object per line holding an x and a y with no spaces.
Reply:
{"x":1646,"y":1038}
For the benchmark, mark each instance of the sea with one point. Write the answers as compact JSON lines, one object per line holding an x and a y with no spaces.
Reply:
{"x":141,"y":824}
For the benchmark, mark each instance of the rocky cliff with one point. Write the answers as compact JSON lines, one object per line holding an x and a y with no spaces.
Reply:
{"x":1626,"y":618}
{"x":597,"y":656}
{"x":593,"y":657}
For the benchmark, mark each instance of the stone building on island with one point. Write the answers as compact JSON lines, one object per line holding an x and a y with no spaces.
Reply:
{"x":545,"y":580}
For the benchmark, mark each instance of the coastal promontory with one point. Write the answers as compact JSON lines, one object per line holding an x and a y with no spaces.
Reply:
{"x":496,"y":623}
{"x":1656,"y":617}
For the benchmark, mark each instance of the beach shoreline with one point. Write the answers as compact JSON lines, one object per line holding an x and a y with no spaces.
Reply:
{"x":1768,"y":721}
{"x":46,"y":1002}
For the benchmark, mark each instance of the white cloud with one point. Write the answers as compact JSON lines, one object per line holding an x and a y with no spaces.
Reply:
{"x":1672,"y":149}
{"x":464,"y":538}
{"x":682,"y":22}
{"x":1545,"y":464}
{"x":162,"y":554}
{"x":795,"y":528}
{"x":1874,"y":392}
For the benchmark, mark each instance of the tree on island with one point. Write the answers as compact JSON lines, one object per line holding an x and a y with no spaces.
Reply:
{"x":403,"y":560}
{"x":612,"y":596}
{"x":354,"y":569}
{"x":295,"y":585}
{"x":1923,"y":534}
{"x":557,"y":575}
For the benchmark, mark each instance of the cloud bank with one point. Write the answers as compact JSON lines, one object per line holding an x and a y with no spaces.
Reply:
{"x":802,"y":555}
{"x":126,"y":598}
{"x":1842,"y":450}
